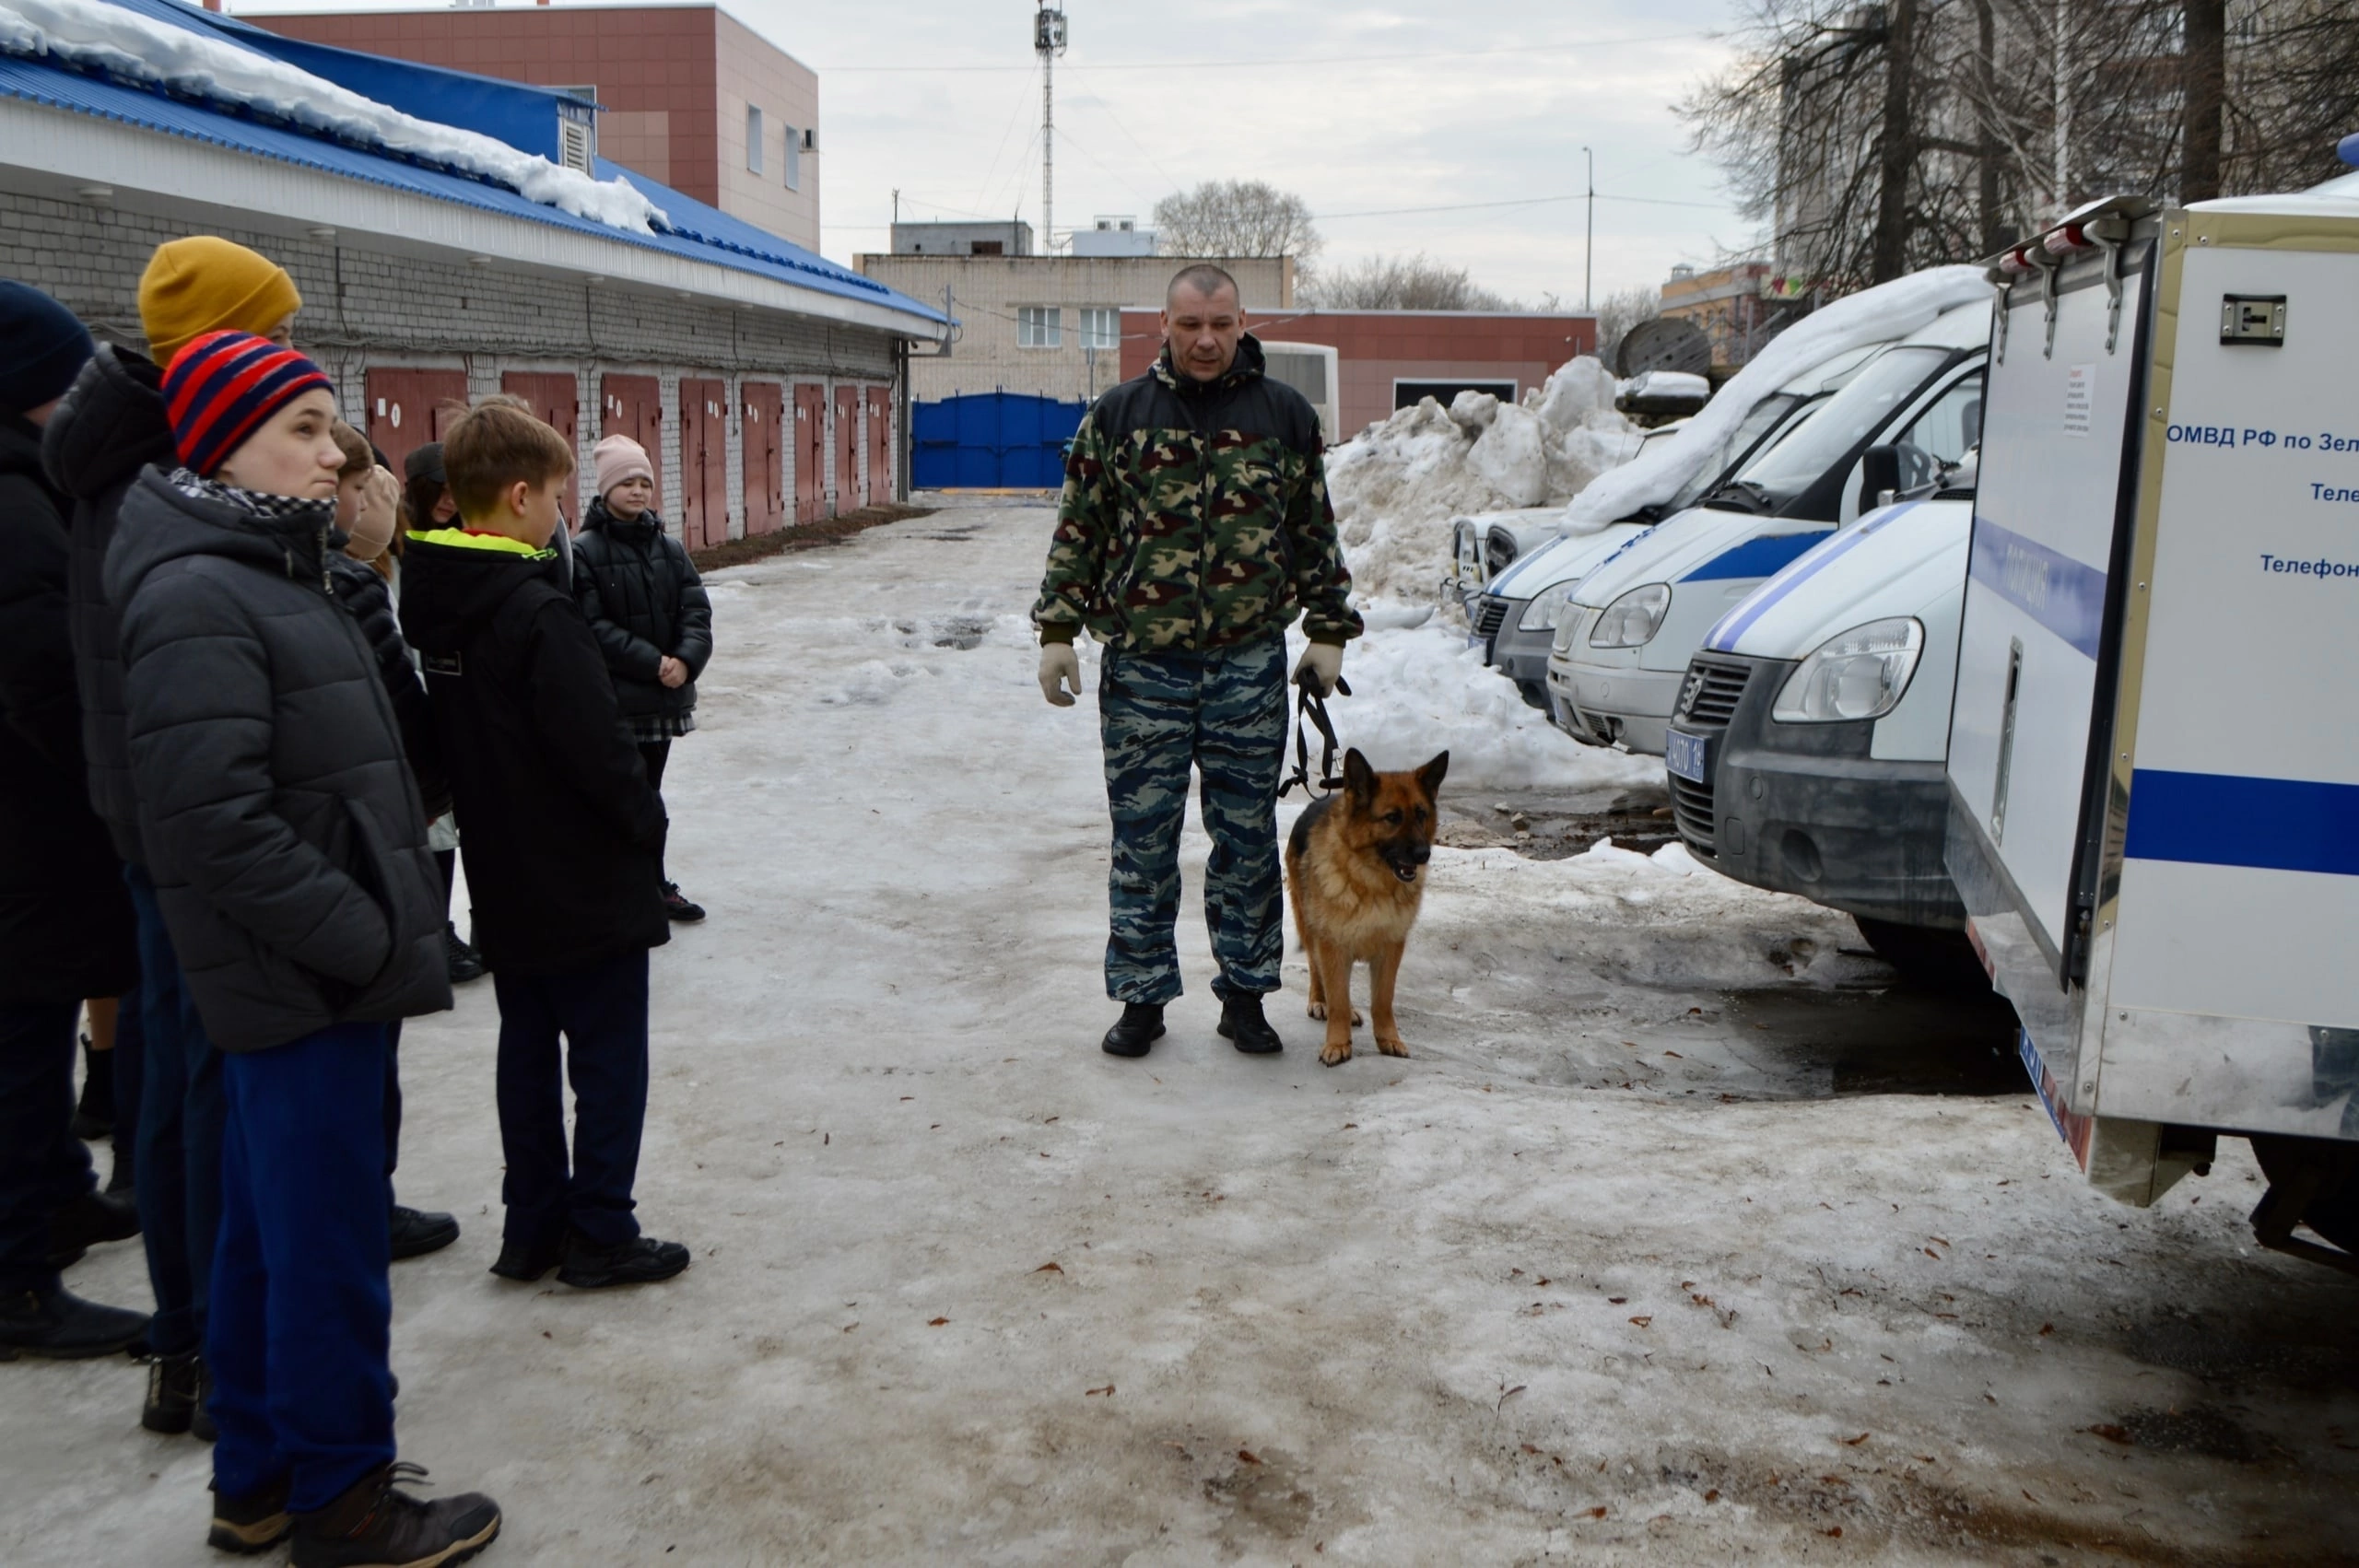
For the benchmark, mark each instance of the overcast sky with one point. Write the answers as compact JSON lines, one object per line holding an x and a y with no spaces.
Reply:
{"x":1360,"y":108}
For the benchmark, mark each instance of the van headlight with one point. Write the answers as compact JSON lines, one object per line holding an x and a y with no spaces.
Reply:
{"x":1547,"y":608}
{"x":1631,"y":620}
{"x":1862,"y":673}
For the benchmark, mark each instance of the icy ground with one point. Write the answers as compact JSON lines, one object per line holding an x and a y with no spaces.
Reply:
{"x":1655,"y":1251}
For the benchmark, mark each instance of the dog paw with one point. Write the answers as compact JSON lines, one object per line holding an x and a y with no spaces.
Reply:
{"x":1316,"y":1010}
{"x":1393,"y":1047}
{"x":1335,"y":1056}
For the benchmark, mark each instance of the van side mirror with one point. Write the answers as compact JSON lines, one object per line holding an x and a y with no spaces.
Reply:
{"x":1879,"y":477}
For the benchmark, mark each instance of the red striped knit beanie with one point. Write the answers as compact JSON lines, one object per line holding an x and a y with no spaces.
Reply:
{"x":221,"y":386}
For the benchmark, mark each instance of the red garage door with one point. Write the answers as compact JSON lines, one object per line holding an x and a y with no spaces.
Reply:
{"x":633,"y":407}
{"x":846,"y":447}
{"x":409,"y":408}
{"x":760,"y":416}
{"x":810,"y":452}
{"x":704,"y":462}
{"x":554,"y":399}
{"x":879,"y":472}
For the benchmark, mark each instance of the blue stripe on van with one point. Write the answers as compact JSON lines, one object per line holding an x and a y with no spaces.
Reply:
{"x":2062,"y":594}
{"x":1723,"y":636}
{"x":1757,"y":556}
{"x":2218,"y":819}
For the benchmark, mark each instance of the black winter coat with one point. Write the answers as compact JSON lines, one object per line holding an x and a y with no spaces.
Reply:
{"x":641,"y":595}
{"x":563,"y":838}
{"x":285,"y":835}
{"x":65,"y":922}
{"x":370,"y":600}
{"x":110,"y":424}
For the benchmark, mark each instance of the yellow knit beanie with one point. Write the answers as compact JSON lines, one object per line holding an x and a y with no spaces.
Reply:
{"x":207,"y":284}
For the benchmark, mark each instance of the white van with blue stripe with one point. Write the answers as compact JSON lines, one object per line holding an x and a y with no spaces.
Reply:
{"x":1806,"y":744}
{"x":1622,"y":646}
{"x":2153,"y":747}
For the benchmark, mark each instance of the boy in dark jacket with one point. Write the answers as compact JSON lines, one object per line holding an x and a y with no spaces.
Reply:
{"x":563,"y":848}
{"x":65,"y":930}
{"x":287,"y":846}
{"x":642,"y":597}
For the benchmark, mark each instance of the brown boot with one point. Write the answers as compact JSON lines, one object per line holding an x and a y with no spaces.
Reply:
{"x":374,"y":1525}
{"x":255,"y":1522}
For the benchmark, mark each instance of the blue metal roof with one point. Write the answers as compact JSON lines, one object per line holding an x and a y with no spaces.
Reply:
{"x":695,"y":232}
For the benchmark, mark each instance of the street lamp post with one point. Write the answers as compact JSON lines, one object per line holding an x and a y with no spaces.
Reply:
{"x":1589,"y":242}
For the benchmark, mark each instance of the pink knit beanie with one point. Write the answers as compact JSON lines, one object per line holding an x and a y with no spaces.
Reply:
{"x":618,"y":458}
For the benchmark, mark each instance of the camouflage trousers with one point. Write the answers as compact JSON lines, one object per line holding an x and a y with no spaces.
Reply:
{"x":1225,"y":714}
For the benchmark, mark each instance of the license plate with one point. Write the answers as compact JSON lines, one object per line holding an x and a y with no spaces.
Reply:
{"x":1685,"y":755}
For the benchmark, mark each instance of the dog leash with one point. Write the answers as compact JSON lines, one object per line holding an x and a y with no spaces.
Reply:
{"x":1310,"y":710}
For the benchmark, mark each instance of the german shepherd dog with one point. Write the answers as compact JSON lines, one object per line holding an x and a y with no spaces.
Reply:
{"x":1355,"y":866}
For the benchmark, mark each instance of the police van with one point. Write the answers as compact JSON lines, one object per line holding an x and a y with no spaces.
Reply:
{"x":2154,"y":749}
{"x":1625,"y":633}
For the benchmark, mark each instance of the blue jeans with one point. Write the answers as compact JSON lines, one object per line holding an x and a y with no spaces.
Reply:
{"x":43,"y":1166}
{"x":602,"y":1013}
{"x":301,"y":1310}
{"x":178,"y":1143}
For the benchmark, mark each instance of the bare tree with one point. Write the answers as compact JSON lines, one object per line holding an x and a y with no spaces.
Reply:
{"x":1236,"y":217}
{"x":1404,"y":283}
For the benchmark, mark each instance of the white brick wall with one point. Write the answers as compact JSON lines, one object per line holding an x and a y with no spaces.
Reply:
{"x":364,"y":307}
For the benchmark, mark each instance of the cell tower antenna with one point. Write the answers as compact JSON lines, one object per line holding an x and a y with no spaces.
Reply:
{"x":1047,"y":42}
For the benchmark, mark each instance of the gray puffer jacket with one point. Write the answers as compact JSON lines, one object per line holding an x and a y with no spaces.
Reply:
{"x":281,"y":823}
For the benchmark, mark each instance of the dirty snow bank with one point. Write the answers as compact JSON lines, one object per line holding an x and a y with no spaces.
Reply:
{"x":1874,"y":315}
{"x":1397,"y":485}
{"x":94,"y":35}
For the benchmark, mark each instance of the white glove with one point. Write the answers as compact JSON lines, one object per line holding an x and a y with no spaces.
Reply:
{"x":1325,"y":661}
{"x":1060,"y":668}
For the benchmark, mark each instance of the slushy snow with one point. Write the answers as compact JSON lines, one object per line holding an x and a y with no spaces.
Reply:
{"x":1396,"y":486}
{"x":94,"y":35}
{"x":1875,"y":315}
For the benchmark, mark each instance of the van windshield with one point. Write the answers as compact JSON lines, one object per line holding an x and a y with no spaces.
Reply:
{"x":1756,"y":422}
{"x":1842,"y":422}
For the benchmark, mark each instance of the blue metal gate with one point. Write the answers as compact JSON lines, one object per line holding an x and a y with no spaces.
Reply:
{"x":992,"y":441}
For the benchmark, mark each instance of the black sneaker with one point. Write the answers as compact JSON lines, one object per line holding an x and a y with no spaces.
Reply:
{"x":92,"y":1218}
{"x":63,"y":1326}
{"x":417,"y":1232}
{"x":175,"y":1387}
{"x":255,"y":1522}
{"x":528,"y":1260}
{"x":374,"y":1525}
{"x":94,"y":1113}
{"x":467,"y":963}
{"x":1139,"y":1027}
{"x":676,"y":904}
{"x":642,"y":1261}
{"x":1241,"y":1023}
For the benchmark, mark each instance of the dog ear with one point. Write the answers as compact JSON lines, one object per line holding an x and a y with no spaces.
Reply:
{"x":1429,"y":777}
{"x":1359,"y":777}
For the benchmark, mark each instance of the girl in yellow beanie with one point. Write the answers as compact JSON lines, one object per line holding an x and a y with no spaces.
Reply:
{"x":208,"y":284}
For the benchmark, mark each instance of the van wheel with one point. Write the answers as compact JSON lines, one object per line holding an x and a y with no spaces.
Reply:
{"x":2333,"y":1211}
{"x":1927,"y":958}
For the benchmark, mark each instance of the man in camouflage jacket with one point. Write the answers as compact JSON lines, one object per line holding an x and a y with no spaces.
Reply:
{"x":1193,"y":528}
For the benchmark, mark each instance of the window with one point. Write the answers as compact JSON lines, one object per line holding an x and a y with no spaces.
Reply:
{"x":1952,"y":427}
{"x":793,"y":158}
{"x":753,"y":139}
{"x":1039,"y":326}
{"x":1101,"y":327}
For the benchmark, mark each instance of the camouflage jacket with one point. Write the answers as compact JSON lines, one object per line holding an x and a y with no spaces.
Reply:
{"x":1196,"y":516}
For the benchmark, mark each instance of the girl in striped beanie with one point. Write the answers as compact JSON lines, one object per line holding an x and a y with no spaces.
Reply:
{"x":229,"y":392}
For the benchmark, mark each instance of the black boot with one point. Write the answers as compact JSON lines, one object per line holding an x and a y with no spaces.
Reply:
{"x":255,"y":1522}
{"x":678,"y":907}
{"x":94,"y":1114}
{"x":1241,"y":1023}
{"x":528,"y":1261}
{"x":374,"y":1522}
{"x":417,"y":1232}
{"x":1139,"y":1027}
{"x":642,"y":1261}
{"x":60,"y":1325}
{"x":94,"y":1217}
{"x":465,"y":963}
{"x":172,"y":1393}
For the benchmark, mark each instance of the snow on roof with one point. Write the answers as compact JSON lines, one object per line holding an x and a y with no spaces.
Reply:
{"x":2338,"y":197}
{"x":146,"y":49}
{"x":1882,"y":314}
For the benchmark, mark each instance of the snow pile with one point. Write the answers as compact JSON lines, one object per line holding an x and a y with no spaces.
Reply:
{"x":1397,"y":485}
{"x":1876,"y":315}
{"x":1418,"y":690}
{"x":94,"y":35}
